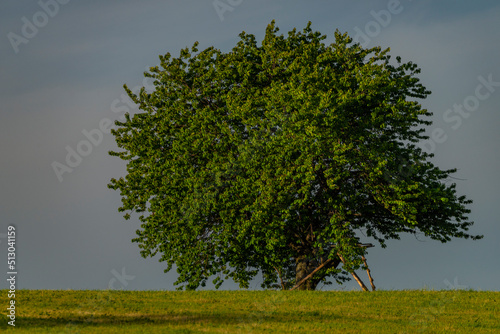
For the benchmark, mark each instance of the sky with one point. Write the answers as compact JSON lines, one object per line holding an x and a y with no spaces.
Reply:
{"x":62,"y":67}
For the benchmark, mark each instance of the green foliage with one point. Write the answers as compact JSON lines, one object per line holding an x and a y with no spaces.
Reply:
{"x":252,"y":160}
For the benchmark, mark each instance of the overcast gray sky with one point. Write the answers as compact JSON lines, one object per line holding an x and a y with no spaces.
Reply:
{"x":62,"y":67}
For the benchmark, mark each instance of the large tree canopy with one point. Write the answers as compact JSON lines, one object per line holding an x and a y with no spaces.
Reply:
{"x":280,"y":159}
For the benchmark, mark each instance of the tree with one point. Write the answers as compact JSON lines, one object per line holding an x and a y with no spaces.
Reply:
{"x":279,"y":158}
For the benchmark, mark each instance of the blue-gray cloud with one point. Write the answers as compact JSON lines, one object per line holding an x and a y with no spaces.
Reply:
{"x":66,"y":78}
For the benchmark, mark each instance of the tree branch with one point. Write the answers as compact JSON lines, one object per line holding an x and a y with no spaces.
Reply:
{"x":369,"y":274}
{"x":356,"y":277}
{"x":311,"y":274}
{"x":281,"y":278}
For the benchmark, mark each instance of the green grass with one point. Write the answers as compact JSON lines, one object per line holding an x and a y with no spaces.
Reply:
{"x":49,"y":311}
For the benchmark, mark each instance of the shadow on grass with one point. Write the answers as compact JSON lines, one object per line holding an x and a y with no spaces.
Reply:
{"x":173,"y":320}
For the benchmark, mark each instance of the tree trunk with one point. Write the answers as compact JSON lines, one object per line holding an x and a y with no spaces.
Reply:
{"x":299,"y":283}
{"x":304,"y":267}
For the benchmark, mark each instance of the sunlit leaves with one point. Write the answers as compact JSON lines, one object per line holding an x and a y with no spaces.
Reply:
{"x":243,"y":162}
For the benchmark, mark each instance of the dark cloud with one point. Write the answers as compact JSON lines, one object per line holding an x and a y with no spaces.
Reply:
{"x":66,"y":77}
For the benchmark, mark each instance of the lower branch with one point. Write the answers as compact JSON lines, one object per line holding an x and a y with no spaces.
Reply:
{"x":369,"y":274}
{"x":311,"y":274}
{"x":281,"y":278}
{"x":356,"y":277}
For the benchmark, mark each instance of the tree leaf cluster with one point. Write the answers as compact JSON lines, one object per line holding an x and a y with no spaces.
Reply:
{"x":253,"y":160}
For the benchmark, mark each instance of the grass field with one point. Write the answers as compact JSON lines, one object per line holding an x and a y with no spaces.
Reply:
{"x":111,"y":311}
